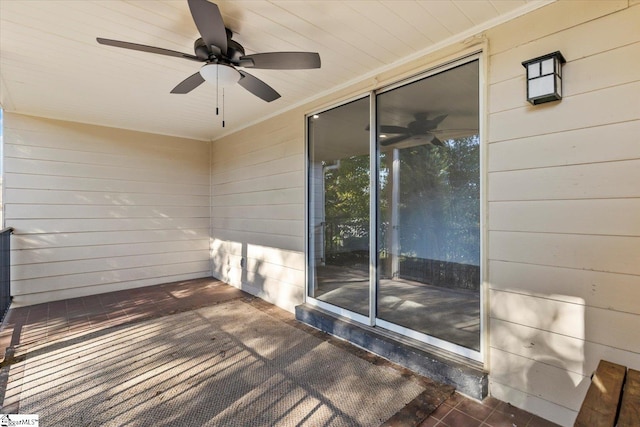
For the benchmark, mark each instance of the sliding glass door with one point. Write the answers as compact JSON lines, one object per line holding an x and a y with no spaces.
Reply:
{"x":429,"y":184}
{"x":339,"y":200}
{"x":425,"y":279}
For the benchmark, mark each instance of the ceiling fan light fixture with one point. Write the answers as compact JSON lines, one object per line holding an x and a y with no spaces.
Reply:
{"x":222,"y":74}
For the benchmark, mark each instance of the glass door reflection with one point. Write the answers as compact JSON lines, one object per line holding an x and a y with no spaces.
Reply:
{"x":429,"y":208}
{"x":339,"y":206}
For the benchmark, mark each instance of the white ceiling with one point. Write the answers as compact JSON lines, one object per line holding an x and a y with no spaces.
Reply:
{"x":52,"y":66}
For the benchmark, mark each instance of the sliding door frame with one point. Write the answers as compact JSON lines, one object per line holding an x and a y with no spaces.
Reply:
{"x":374,"y":160}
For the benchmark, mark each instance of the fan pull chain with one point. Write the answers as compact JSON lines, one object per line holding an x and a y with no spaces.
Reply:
{"x":222,"y":107}
{"x":217,"y":89}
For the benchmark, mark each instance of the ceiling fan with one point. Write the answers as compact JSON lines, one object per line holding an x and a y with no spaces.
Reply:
{"x":222,"y":55}
{"x":420,"y":127}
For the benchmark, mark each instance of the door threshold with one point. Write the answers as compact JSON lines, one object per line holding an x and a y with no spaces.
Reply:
{"x":466,"y":375}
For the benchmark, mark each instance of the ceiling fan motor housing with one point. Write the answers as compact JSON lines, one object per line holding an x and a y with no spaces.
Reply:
{"x":200,"y":49}
{"x":234,"y":51}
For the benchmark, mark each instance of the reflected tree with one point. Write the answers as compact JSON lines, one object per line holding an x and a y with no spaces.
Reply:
{"x":347,"y":211}
{"x":439,"y":212}
{"x":347,"y":189}
{"x":438,"y":209}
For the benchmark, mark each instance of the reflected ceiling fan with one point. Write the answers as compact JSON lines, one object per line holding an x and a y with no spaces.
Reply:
{"x":420,"y":127}
{"x":222,"y":55}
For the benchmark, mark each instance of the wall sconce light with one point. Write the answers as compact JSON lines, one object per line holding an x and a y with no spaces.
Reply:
{"x":544,"y":78}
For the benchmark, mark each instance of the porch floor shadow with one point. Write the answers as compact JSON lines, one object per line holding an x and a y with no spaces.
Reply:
{"x":201,"y":352}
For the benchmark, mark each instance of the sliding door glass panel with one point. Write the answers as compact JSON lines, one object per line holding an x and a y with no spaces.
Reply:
{"x":429,"y":209}
{"x":339,"y":206}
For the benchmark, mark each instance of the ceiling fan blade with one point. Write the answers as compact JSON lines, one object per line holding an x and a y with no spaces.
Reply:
{"x":385,"y":142}
{"x":454,"y":130}
{"x":189,"y":84}
{"x":145,"y":48}
{"x":393,"y":129}
{"x":257,"y":87}
{"x":435,"y":141}
{"x":209,"y":22}
{"x":281,"y":60}
{"x":436,"y":121}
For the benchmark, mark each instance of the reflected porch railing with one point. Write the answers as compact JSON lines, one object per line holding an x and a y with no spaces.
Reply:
{"x":454,"y":263}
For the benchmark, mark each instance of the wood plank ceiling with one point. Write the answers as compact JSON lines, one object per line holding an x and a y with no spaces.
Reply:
{"x":52,"y":66}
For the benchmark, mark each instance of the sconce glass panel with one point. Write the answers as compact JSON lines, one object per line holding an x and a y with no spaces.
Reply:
{"x":541,"y":86}
{"x":547,"y":66}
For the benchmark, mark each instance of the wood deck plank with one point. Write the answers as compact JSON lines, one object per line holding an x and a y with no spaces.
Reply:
{"x":630,"y":408}
{"x":600,"y":405}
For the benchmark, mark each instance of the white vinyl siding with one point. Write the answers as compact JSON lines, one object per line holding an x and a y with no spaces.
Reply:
{"x":99,"y":209}
{"x":564,"y":206}
{"x":257,"y":216}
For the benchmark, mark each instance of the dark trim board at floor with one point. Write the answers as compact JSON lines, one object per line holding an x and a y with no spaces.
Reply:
{"x":435,"y":394}
{"x":465,"y":375}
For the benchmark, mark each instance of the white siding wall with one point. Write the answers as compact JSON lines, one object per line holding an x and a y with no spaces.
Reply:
{"x":563,"y":214}
{"x":564,"y":206}
{"x":257,"y":196}
{"x":99,"y":209}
